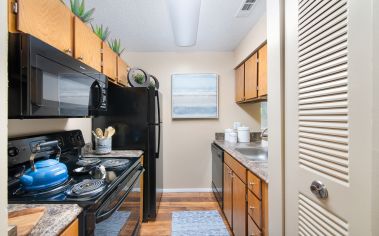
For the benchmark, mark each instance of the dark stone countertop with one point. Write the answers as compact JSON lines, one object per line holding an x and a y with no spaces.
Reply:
{"x":56,"y":219}
{"x":260,"y":168}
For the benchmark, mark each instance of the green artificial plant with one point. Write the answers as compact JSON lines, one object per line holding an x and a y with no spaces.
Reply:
{"x":101,"y":32}
{"x":115,"y":44}
{"x":78,"y":8}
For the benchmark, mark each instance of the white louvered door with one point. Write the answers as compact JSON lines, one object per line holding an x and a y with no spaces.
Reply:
{"x":327,"y":66}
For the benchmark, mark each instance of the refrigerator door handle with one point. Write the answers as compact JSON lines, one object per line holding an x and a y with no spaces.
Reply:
{"x":159,"y":141}
{"x":158,"y":106}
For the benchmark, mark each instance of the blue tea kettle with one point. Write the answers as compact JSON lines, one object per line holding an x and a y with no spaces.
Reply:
{"x":45,"y":173}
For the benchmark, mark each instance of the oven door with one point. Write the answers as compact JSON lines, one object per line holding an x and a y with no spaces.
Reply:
{"x":121,"y":213}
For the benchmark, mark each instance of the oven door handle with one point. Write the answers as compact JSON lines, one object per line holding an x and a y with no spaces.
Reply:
{"x":106,"y":215}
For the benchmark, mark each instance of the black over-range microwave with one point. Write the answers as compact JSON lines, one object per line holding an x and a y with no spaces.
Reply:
{"x":45,"y":82}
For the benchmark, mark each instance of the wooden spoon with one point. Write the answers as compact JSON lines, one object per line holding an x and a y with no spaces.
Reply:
{"x":111,"y":131}
{"x":99,"y":133}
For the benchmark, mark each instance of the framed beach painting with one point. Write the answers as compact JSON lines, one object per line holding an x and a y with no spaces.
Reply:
{"x":194,"y":96}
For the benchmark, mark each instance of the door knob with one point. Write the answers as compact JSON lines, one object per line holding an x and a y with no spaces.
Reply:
{"x":319,"y":189}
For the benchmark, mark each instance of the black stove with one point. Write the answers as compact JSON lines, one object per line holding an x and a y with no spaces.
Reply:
{"x":99,"y":185}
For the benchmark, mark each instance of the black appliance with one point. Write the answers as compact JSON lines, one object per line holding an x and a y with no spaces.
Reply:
{"x":45,"y":82}
{"x":135,"y":114}
{"x":107,"y":188}
{"x":218,"y":173}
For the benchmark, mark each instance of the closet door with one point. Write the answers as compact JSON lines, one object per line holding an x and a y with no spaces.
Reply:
{"x":328,"y":117}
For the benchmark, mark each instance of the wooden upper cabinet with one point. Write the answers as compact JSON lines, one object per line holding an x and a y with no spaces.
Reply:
{"x":122,"y":72}
{"x":228,"y":194}
{"x":251,"y":77}
{"x":87,"y":45}
{"x":240,"y":83}
{"x":109,"y":66}
{"x":239,"y":206}
{"x":262,"y":71}
{"x":47,"y":20}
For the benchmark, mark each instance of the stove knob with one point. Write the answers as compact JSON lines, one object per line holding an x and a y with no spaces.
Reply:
{"x":13,"y":151}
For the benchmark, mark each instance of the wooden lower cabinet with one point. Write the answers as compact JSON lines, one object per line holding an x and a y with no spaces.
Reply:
{"x":239,"y":206}
{"x":72,"y":229}
{"x":252,"y":228}
{"x":228,"y":194}
{"x":245,"y":200}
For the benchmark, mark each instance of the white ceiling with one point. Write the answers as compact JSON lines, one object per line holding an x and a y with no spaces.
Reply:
{"x":144,"y":25}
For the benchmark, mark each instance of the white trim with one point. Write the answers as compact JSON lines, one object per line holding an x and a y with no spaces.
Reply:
{"x":187,"y":190}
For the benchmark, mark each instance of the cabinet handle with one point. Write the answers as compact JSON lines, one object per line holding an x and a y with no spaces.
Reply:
{"x":251,"y":183}
{"x":68,"y":51}
{"x":80,"y":58}
{"x":251,"y":208}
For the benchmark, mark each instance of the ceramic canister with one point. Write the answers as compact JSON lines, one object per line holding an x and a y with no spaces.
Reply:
{"x":244,"y":134}
{"x":227,"y":134}
{"x":103,"y":145}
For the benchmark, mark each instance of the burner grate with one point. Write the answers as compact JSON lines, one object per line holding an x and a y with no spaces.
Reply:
{"x":88,"y":161}
{"x":115,"y":163}
{"x":88,"y":187}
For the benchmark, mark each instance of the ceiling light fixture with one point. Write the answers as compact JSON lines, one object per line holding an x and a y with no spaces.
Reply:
{"x":184,"y":20}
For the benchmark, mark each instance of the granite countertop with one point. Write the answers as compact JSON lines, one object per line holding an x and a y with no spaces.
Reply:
{"x":115,"y":153}
{"x":56,"y":219}
{"x":260,"y":168}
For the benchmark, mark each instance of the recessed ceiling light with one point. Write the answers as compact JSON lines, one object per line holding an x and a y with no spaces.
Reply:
{"x":184,"y":16}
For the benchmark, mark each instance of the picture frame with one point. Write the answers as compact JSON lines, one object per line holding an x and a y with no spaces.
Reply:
{"x":194,"y":96}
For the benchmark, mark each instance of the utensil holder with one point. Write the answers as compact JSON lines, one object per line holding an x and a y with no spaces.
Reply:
{"x":103,"y":145}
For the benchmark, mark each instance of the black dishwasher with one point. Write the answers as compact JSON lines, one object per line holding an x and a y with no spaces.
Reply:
{"x":218,"y":173}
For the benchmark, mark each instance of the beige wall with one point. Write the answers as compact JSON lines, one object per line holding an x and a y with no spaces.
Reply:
{"x":256,"y":36}
{"x":18,"y":128}
{"x":3,"y":117}
{"x":186,"y":143}
{"x":375,"y":162}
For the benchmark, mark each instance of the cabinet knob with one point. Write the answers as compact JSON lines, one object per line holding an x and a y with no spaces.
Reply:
{"x":68,"y":51}
{"x":251,"y":208}
{"x":251,"y":183}
{"x":80,"y":58}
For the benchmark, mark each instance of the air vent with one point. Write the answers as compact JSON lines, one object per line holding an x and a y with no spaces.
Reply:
{"x":246,"y":7}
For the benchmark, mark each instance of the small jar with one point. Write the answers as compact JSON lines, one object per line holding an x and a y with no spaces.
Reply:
{"x":244,"y":134}
{"x":227,"y":134}
{"x":233,"y":137}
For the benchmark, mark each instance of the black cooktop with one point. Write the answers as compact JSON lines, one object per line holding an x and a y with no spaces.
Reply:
{"x":100,"y":176}
{"x":60,"y":193}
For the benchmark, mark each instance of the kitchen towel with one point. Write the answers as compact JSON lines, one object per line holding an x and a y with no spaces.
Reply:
{"x":198,"y":223}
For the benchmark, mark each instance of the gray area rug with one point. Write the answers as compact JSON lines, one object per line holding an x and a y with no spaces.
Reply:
{"x":198,"y":223}
{"x":112,"y":225}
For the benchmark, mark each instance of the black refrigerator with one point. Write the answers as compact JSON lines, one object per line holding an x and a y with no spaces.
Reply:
{"x":135,"y":113}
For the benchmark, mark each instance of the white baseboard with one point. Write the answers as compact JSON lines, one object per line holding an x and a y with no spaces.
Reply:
{"x":187,"y":190}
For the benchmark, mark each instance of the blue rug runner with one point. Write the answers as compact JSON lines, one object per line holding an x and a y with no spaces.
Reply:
{"x":198,"y":223}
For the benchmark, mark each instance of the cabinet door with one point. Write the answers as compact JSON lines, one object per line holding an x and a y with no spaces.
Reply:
{"x":72,"y":229}
{"x":251,"y":77}
{"x":240,"y":83}
{"x":239,"y":207}
{"x":262,"y":71}
{"x":122,"y":74}
{"x":87,"y":45}
{"x":109,"y":65}
{"x":228,"y":194}
{"x":47,"y":20}
{"x":252,"y":228}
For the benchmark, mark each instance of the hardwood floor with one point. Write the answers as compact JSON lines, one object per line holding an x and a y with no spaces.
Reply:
{"x":178,"y":202}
